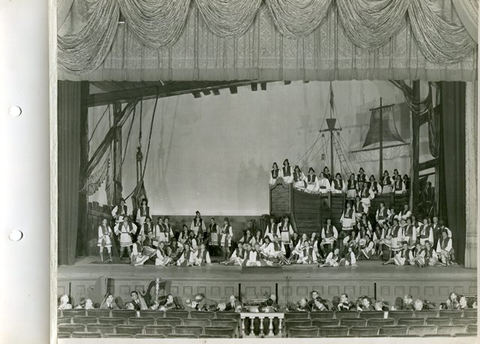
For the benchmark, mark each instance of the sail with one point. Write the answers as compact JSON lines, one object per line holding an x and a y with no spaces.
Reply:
{"x":390,"y":132}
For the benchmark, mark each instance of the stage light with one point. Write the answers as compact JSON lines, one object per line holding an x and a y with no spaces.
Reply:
{"x":216,"y":92}
{"x":196,"y":94}
{"x":206,"y":92}
{"x":233,"y":89}
{"x":254,"y":86}
{"x":264,"y":86}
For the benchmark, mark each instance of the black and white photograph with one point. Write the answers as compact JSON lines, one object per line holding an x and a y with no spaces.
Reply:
{"x":256,"y":169}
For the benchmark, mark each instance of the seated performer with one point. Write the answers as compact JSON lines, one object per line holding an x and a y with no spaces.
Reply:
{"x":405,"y":213}
{"x":188,"y":257}
{"x":327,"y":174}
{"x":298,"y":247}
{"x":168,"y":304}
{"x":444,"y":249}
{"x":312,"y":181}
{"x":146,"y":234}
{"x":274,"y":174}
{"x":378,"y":238}
{"x":374,"y":186}
{"x":329,"y":237}
{"x":247,"y":238}
{"x":184,"y":235}
{"x":203,"y":257}
{"x":233,"y":305}
{"x":307,"y":255}
{"x":272,"y":252}
{"x":425,"y":232}
{"x":333,"y":259}
{"x":237,"y":256}
{"x":192,"y":241}
{"x":431,"y":257}
{"x":286,"y":233}
{"x":303,"y":306}
{"x":351,"y":187}
{"x":366,"y":223}
{"x":349,"y":258}
{"x":163,"y":258}
{"x":271,"y":229}
{"x":298,"y":178}
{"x":160,"y":232}
{"x":137,"y":256}
{"x":109,"y":302}
{"x":64,"y":302}
{"x":398,"y":186}
{"x":338,"y":185}
{"x":197,"y":224}
{"x":417,"y":256}
{"x":258,"y":238}
{"x":366,"y":195}
{"x":142,"y":212}
{"x":361,"y":179}
{"x":287,"y":173}
{"x":252,"y":256}
{"x":368,"y":248}
{"x":226,"y":235}
{"x":358,"y":207}
{"x":387,"y":184}
{"x":406,"y":182}
{"x":105,"y":239}
{"x":323,"y":184}
{"x":125,"y":231}
{"x":381,"y":214}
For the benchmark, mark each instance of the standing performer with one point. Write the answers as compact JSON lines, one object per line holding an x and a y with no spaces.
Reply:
{"x":188,"y":257}
{"x":125,"y":231}
{"x":323,"y":184}
{"x":214,"y":230}
{"x":142,"y":212}
{"x":274,"y":173}
{"x":431,"y":257}
{"x":197,"y":224}
{"x":410,"y":233}
{"x":361,"y":179}
{"x":271,"y":229}
{"x":105,"y":239}
{"x":347,"y":220}
{"x":287,"y":174}
{"x":327,"y":174}
{"x":162,"y":255}
{"x":119,"y":213}
{"x":425,"y":232}
{"x":329,"y":237}
{"x":374,"y":186}
{"x":226,"y":235}
{"x":366,"y":195}
{"x":381,"y":214}
{"x":444,"y":249}
{"x":338,"y":185}
{"x":203,"y":257}
{"x":286,"y":233}
{"x":162,"y":233}
{"x":351,"y":187}
{"x":145,"y":234}
{"x":398,"y":186}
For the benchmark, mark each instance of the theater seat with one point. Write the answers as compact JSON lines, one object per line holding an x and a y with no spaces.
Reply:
{"x":124,"y":313}
{"x":111,"y":321}
{"x":470,"y":313}
{"x":176,"y":314}
{"x":212,"y":336}
{"x":128,"y":329}
{"x":325,"y":331}
{"x":141,"y":321}
{"x":69,"y":328}
{"x":400,"y":315}
{"x":346,"y":314}
{"x":325,"y":322}
{"x":438,"y":321}
{"x":101,"y":328}
{"x":322,"y":315}
{"x":152,"y":314}
{"x":86,"y":335}
{"x":202,"y":315}
{"x":449,"y":314}
{"x":296,"y":322}
{"x":197,"y":322}
{"x":426,"y":314}
{"x":174,"y":335}
{"x":145,"y":336}
{"x":422,"y":330}
{"x":63,"y":335}
{"x":464,"y":321}
{"x":351,"y":322}
{"x":372,"y":314}
{"x":220,"y":331}
{"x":224,"y":323}
{"x":363,"y":331}
{"x":451,"y":330}
{"x":471,"y":328}
{"x":303,"y":332}
{"x":465,"y":335}
{"x":64,"y":320}
{"x":411,"y":321}
{"x":228,"y":315}
{"x":380,"y":322}
{"x":191,"y":330}
{"x":98,"y":312}
{"x":393,"y":330}
{"x":296,"y":315}
{"x":169,"y":321}
{"x":73,"y":312}
{"x":118,"y":335}
{"x":84,"y":320}
{"x":156,"y":329}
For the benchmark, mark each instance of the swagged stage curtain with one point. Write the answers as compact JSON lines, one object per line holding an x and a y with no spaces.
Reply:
{"x":269,"y":39}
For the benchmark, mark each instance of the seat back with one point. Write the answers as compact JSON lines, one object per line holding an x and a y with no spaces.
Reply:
{"x":176,"y":314}
{"x":63,"y":335}
{"x":212,"y":336}
{"x":296,"y":315}
{"x":391,"y":330}
{"x":98,"y":312}
{"x":202,"y":315}
{"x":472,"y":328}
{"x":111,"y":321}
{"x":363,"y":331}
{"x":118,"y":335}
{"x":129,"y":329}
{"x":447,"y":313}
{"x":73,"y":312}
{"x":69,"y":328}
{"x":351,"y":322}
{"x":322,"y":315}
{"x":142,"y":336}
{"x":100,"y":328}
{"x":303,"y":331}
{"x":78,"y":319}
{"x":372,"y":314}
{"x":426,"y":314}
{"x":176,"y":335}
{"x":297,"y":322}
{"x":86,"y":335}
{"x":333,"y":331}
{"x":438,"y":321}
{"x":152,"y":314}
{"x":169,"y":321}
{"x":197,"y":322}
{"x":156,"y":329}
{"x":400,"y":314}
{"x":224,"y":323}
{"x":451,"y":330}
{"x":124,"y":313}
{"x":325,"y":322}
{"x":191,"y":330}
{"x":346,"y":314}
{"x":411,"y":321}
{"x":422,"y":330}
{"x":464,"y":321}
{"x":64,"y":320}
{"x":380,"y":322}
{"x":228,"y":315}
{"x":219,"y":331}
{"x":470,"y":313}
{"x":141,"y":321}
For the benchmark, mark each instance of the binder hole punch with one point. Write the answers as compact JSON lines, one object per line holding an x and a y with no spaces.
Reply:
{"x":15,"y":235}
{"x":15,"y":111}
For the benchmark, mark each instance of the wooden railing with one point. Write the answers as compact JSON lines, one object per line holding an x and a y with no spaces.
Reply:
{"x":261,"y":317}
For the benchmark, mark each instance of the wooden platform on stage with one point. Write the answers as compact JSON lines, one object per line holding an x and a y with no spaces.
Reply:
{"x":293,"y":282}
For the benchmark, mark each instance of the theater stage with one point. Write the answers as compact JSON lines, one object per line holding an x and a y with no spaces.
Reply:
{"x":293,"y":282}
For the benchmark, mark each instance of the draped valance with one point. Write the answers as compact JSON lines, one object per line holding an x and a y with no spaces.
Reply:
{"x":147,"y":40}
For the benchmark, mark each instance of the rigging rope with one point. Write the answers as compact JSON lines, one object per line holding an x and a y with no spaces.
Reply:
{"x":96,"y":125}
{"x":128,"y":135}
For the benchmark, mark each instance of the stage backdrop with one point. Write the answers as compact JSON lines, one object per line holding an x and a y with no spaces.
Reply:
{"x":214,"y":153}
